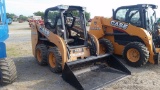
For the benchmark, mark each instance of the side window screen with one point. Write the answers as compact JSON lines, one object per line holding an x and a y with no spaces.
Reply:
{"x":52,"y":16}
{"x":121,"y":14}
{"x":59,"y":22}
{"x":134,"y":16}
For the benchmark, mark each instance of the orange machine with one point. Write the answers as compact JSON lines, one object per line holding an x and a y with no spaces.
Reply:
{"x":133,"y":33}
{"x":64,"y":44}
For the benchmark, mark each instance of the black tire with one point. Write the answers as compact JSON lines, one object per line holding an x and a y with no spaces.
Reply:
{"x":92,"y":46}
{"x":54,"y":57}
{"x":142,"y":50}
{"x":92,"y":49}
{"x":41,"y":54}
{"x":8,"y":72}
{"x":107,"y":45}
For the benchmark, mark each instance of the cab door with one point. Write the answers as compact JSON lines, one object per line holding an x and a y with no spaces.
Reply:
{"x":130,"y":16}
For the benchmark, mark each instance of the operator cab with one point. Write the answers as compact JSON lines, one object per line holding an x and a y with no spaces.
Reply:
{"x":141,"y":15}
{"x":68,"y":22}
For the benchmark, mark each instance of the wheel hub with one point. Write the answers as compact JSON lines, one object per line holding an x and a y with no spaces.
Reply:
{"x":102,"y":49}
{"x":39,"y":55}
{"x":133,"y":55}
{"x":52,"y":61}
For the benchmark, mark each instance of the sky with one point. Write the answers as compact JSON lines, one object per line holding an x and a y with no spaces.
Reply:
{"x":95,"y":7}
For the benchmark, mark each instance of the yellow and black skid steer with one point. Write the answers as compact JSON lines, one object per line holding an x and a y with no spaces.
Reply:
{"x":74,"y":54}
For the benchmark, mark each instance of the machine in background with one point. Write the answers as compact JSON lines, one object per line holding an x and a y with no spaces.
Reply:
{"x":133,"y":32}
{"x":8,"y":71}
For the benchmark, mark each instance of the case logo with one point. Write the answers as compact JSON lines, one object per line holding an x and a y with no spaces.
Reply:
{"x":44,"y":31}
{"x":95,"y":27}
{"x":119,"y":25}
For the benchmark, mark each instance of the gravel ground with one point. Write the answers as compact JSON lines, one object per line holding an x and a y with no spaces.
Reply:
{"x":31,"y":76}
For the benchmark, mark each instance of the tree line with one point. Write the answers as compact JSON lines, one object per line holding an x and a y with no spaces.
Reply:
{"x":14,"y":17}
{"x":38,"y":13}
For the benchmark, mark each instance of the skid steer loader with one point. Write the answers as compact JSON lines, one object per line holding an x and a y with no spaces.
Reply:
{"x":133,"y":33}
{"x":64,"y":43}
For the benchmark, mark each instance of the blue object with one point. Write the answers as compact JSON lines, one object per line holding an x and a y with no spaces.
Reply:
{"x":3,"y":29}
{"x":3,"y":33}
{"x":2,"y":50}
{"x":9,"y":21}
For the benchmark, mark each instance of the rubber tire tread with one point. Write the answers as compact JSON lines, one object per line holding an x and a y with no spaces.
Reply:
{"x":58,"y":59}
{"x":8,"y":71}
{"x":144,"y":54}
{"x":108,"y":44}
{"x":43,"y":50}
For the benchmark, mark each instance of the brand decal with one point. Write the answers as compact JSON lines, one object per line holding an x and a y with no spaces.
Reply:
{"x":77,"y":54}
{"x":44,"y":31}
{"x":34,"y":33}
{"x":95,"y":23}
{"x":95,"y":26}
{"x":119,"y":25}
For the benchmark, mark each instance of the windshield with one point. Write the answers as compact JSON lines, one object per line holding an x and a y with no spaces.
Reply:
{"x":75,"y":18}
{"x":150,"y":19}
{"x":74,"y":22}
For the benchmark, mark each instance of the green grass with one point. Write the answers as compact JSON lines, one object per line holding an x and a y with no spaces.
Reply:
{"x":19,"y":49}
{"x":12,"y":52}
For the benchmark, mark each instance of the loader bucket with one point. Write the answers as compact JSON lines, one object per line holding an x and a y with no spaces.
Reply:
{"x":94,"y":72}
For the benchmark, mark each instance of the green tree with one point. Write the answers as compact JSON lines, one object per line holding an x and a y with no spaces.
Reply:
{"x":87,"y":15}
{"x":158,"y":21}
{"x":10,"y":15}
{"x":75,"y":13}
{"x":53,"y":14}
{"x":39,"y":13}
{"x":21,"y":17}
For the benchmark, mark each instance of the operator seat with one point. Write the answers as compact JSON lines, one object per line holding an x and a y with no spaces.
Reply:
{"x":68,"y":31}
